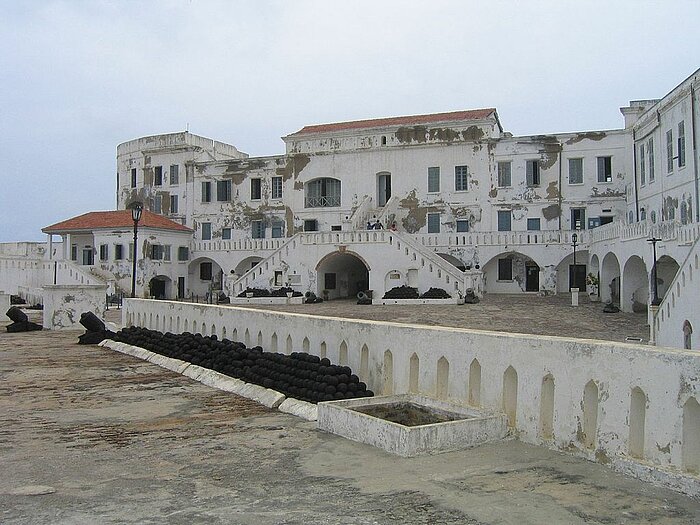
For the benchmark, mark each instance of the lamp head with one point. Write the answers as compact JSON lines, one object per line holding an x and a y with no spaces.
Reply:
{"x":574,"y":237}
{"x":136,"y":210}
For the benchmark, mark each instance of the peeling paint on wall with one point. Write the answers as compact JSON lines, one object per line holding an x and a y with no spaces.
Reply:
{"x":590,"y":135}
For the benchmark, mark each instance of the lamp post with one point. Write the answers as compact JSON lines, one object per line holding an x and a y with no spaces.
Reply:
{"x":655,"y":301}
{"x":136,"y":211}
{"x":574,"y":240}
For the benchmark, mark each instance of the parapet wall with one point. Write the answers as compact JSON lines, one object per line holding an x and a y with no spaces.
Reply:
{"x":634,"y":406}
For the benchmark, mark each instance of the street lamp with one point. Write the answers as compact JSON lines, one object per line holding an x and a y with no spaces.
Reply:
{"x":574,"y":240}
{"x":655,"y":301}
{"x":136,"y":211}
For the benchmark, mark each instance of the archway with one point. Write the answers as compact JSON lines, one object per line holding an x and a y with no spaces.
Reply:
{"x":341,"y":275}
{"x":572,"y":274}
{"x":246,"y":264}
{"x":610,"y":279}
{"x":159,"y":287}
{"x":594,"y":270}
{"x":635,"y":286}
{"x":204,"y":276}
{"x":666,"y":270}
{"x":512,"y":272}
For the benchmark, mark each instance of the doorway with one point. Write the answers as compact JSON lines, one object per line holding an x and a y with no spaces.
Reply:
{"x":88,"y":257}
{"x":157,"y":288}
{"x":383,"y":188}
{"x":532,"y":278}
{"x":577,"y":276}
{"x":180,"y":287}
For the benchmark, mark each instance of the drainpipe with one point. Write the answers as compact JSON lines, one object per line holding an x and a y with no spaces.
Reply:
{"x":634,"y":170}
{"x":695,"y":156}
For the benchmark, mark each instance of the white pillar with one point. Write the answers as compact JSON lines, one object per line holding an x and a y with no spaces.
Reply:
{"x":574,"y":297}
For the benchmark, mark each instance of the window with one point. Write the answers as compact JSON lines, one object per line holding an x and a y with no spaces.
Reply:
{"x":226,"y":234}
{"x":310,"y":225}
{"x":206,"y":191}
{"x":642,"y":166}
{"x":604,"y":169}
{"x":336,"y":228}
{"x":206,"y":231}
{"x":433,"y":180}
{"x":158,"y":204}
{"x":578,"y":218}
{"x":462,"y":225}
{"x":533,"y":224}
{"x":258,"y":229}
{"x":461,"y":175}
{"x":433,"y":223}
{"x":669,"y":151}
{"x":255,"y":189}
{"x":104,"y":252}
{"x":650,"y":153}
{"x":652,"y":216}
{"x":156,"y":252}
{"x":133,"y":177}
{"x":183,"y":253}
{"x":173,"y":204}
{"x":174,"y":174}
{"x":504,"y":220}
{"x":505,"y":269}
{"x":118,"y":252}
{"x":671,"y":213}
{"x":322,"y":193}
{"x":166,"y":252}
{"x":277,"y":229}
{"x":684,"y":213}
{"x":131,"y":251}
{"x":532,"y":172}
{"x":205,"y":271}
{"x":329,"y":281}
{"x":642,"y":214}
{"x":504,"y":170}
{"x":575,"y":171}
{"x":681,"y":144}
{"x":276,"y":187}
{"x":223,"y":190}
{"x":158,"y":175}
{"x":383,"y":140}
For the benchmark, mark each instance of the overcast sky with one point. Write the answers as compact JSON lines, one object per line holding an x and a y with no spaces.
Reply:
{"x":79,"y":77}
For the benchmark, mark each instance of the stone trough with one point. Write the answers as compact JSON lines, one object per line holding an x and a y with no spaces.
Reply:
{"x":410,"y":425}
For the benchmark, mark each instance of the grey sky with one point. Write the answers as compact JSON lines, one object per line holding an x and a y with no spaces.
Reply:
{"x":79,"y":77}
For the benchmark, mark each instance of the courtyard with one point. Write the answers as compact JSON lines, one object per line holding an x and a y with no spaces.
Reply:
{"x":91,"y":435}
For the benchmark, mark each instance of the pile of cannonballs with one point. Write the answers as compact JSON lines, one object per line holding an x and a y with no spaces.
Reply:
{"x":402,"y":292}
{"x":298,"y":375}
{"x":435,"y":293}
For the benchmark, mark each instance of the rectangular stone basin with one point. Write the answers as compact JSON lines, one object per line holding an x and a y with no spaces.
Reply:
{"x":410,"y":425}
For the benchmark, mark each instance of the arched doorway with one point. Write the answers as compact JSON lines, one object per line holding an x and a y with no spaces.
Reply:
{"x":246,"y":264}
{"x":159,"y":287}
{"x":610,"y":279}
{"x":594,"y":270}
{"x":204,"y":276}
{"x":512,"y":273}
{"x":635,"y":286}
{"x":341,"y":275}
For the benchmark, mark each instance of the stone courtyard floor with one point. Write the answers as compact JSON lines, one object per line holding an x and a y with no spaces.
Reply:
{"x":89,"y":436}
{"x":523,"y":313}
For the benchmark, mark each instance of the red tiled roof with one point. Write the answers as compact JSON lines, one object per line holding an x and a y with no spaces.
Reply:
{"x":95,"y":220}
{"x":472,"y":114}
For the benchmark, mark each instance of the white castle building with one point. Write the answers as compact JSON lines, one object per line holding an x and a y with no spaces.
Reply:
{"x":463,"y":205}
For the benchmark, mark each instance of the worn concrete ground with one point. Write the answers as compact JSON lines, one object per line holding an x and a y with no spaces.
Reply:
{"x":521,"y":313}
{"x":93,"y":436}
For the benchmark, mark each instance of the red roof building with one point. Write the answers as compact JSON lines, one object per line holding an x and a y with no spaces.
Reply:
{"x":96,"y":220}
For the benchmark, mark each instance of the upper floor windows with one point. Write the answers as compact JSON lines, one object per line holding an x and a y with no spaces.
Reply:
{"x":650,"y":154}
{"x":223,"y":190}
{"x":504,"y":220}
{"x":575,"y":171}
{"x":681,"y":144}
{"x":504,"y":174}
{"x":133,"y":177}
{"x":322,"y":193}
{"x":276,"y":187}
{"x":158,"y":176}
{"x":461,"y":178}
{"x":206,"y":191}
{"x":604,"y":169}
{"x":532,"y":172}
{"x":433,"y":180}
{"x":174,"y":174}
{"x":206,"y":231}
{"x":669,"y":151}
{"x":173,"y":204}
{"x":642,"y":166}
{"x":433,"y":223}
{"x":255,"y":189}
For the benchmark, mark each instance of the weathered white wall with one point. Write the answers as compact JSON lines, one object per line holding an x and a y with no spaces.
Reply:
{"x":63,"y":305}
{"x":667,"y":377}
